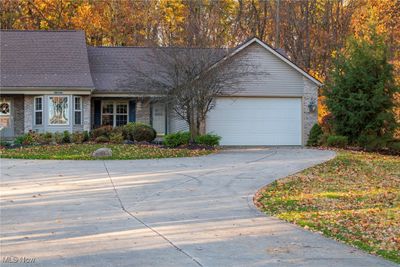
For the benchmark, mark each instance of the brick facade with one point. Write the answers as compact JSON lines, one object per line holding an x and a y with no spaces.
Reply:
{"x":19,"y":115}
{"x":86,"y":101}
{"x":28,"y":113}
{"x":310,"y":94}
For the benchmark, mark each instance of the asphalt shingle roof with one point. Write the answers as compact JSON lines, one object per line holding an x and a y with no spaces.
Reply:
{"x":61,"y":59}
{"x":115,"y":69}
{"x":44,"y":59}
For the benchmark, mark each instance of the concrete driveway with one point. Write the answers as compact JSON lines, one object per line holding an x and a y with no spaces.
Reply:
{"x":169,"y":212}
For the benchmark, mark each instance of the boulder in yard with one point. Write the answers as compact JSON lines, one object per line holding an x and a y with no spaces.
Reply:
{"x":102,"y":152}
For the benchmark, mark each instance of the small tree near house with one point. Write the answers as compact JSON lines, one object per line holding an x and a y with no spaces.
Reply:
{"x":190,"y":79}
{"x":360,"y":90}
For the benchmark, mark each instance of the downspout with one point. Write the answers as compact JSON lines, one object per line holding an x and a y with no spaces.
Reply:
{"x":166,"y":119}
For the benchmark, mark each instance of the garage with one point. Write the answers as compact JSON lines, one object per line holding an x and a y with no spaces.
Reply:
{"x":256,"y":121}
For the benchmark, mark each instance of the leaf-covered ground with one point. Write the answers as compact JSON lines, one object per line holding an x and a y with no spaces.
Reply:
{"x":84,"y":152}
{"x":354,"y":198}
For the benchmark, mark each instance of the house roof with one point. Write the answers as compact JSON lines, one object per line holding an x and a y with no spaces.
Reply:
{"x":61,"y":59}
{"x":117,"y":69}
{"x":44,"y":59}
{"x":112,"y":66}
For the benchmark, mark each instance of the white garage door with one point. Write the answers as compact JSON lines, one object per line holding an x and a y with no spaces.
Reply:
{"x":256,"y":121}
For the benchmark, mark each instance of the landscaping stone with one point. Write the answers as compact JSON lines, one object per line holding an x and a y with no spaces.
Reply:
{"x":102,"y":152}
{"x":128,"y":142}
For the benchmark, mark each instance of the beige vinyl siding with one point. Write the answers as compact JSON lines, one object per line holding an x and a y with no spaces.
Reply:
{"x":270,"y":77}
{"x":176,"y":123}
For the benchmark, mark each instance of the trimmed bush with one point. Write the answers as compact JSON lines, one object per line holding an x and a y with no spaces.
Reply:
{"x":323,"y":140}
{"x":177,"y":139}
{"x":116,"y":138}
{"x":4,"y":143}
{"x":394,"y":145}
{"x":102,"y":139}
{"x":372,"y":141}
{"x":47,"y":138}
{"x":58,"y":137}
{"x":20,"y":140}
{"x":30,"y":138}
{"x":315,"y":135}
{"x":86,"y":136}
{"x":143,"y":132}
{"x":66,"y":137}
{"x":127,"y":130}
{"x":208,"y":140}
{"x":101,"y":131}
{"x":77,"y":137}
{"x":337,"y":141}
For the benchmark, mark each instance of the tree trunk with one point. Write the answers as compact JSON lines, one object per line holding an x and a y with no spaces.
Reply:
{"x":193,"y":127}
{"x":202,"y":127}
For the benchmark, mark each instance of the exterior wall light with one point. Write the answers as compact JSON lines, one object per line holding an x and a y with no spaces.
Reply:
{"x":312,"y":105}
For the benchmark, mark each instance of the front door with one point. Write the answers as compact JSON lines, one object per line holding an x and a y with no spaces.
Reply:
{"x":6,"y":118}
{"x":158,"y":117}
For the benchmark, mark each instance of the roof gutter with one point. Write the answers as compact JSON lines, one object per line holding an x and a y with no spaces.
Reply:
{"x":46,"y":90}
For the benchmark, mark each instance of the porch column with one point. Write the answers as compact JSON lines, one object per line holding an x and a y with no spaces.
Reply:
{"x":86,"y":113}
{"x":19,"y":115}
{"x":28,"y":113}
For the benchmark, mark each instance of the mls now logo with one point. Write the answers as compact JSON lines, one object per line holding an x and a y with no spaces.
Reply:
{"x":13,"y":259}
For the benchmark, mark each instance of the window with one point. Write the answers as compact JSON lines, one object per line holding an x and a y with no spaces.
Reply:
{"x":114,"y":113}
{"x":121,"y":114}
{"x":77,"y":110}
{"x":5,"y":114}
{"x":107,"y":117}
{"x":5,"y":108}
{"x":58,"y":110}
{"x":38,"y":110}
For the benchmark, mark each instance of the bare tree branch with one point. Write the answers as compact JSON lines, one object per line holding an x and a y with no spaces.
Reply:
{"x":190,"y":79}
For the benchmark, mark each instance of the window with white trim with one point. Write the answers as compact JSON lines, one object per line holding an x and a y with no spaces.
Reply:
{"x":121,"y":115}
{"x":77,"y":110}
{"x":114,"y":113}
{"x":38,"y":110}
{"x":58,"y":110}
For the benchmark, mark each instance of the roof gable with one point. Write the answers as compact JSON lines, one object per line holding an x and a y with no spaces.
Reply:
{"x":40,"y":59}
{"x":275,"y":53}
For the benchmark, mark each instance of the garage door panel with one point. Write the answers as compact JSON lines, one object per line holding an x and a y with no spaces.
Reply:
{"x":256,"y":121}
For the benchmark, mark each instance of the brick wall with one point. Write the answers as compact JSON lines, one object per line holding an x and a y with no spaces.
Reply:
{"x":309,"y":118}
{"x":86,"y":113}
{"x":18,"y":115}
{"x":28,"y":113}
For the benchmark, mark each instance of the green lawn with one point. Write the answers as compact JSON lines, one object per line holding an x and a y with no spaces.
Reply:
{"x":354,"y":198}
{"x":84,"y":151}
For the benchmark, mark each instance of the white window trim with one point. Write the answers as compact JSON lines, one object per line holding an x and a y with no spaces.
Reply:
{"x":114,"y":113}
{"x":37,"y":110}
{"x":69,"y":110}
{"x":78,"y":110}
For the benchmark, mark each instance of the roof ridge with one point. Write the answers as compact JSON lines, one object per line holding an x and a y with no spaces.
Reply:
{"x":17,"y":30}
{"x":169,"y":47}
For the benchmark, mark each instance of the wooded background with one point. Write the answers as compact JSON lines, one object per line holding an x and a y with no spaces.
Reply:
{"x":310,"y":31}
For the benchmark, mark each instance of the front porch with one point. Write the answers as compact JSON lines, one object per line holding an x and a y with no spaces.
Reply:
{"x":118,"y":111}
{"x":21,"y":113}
{"x":11,"y":116}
